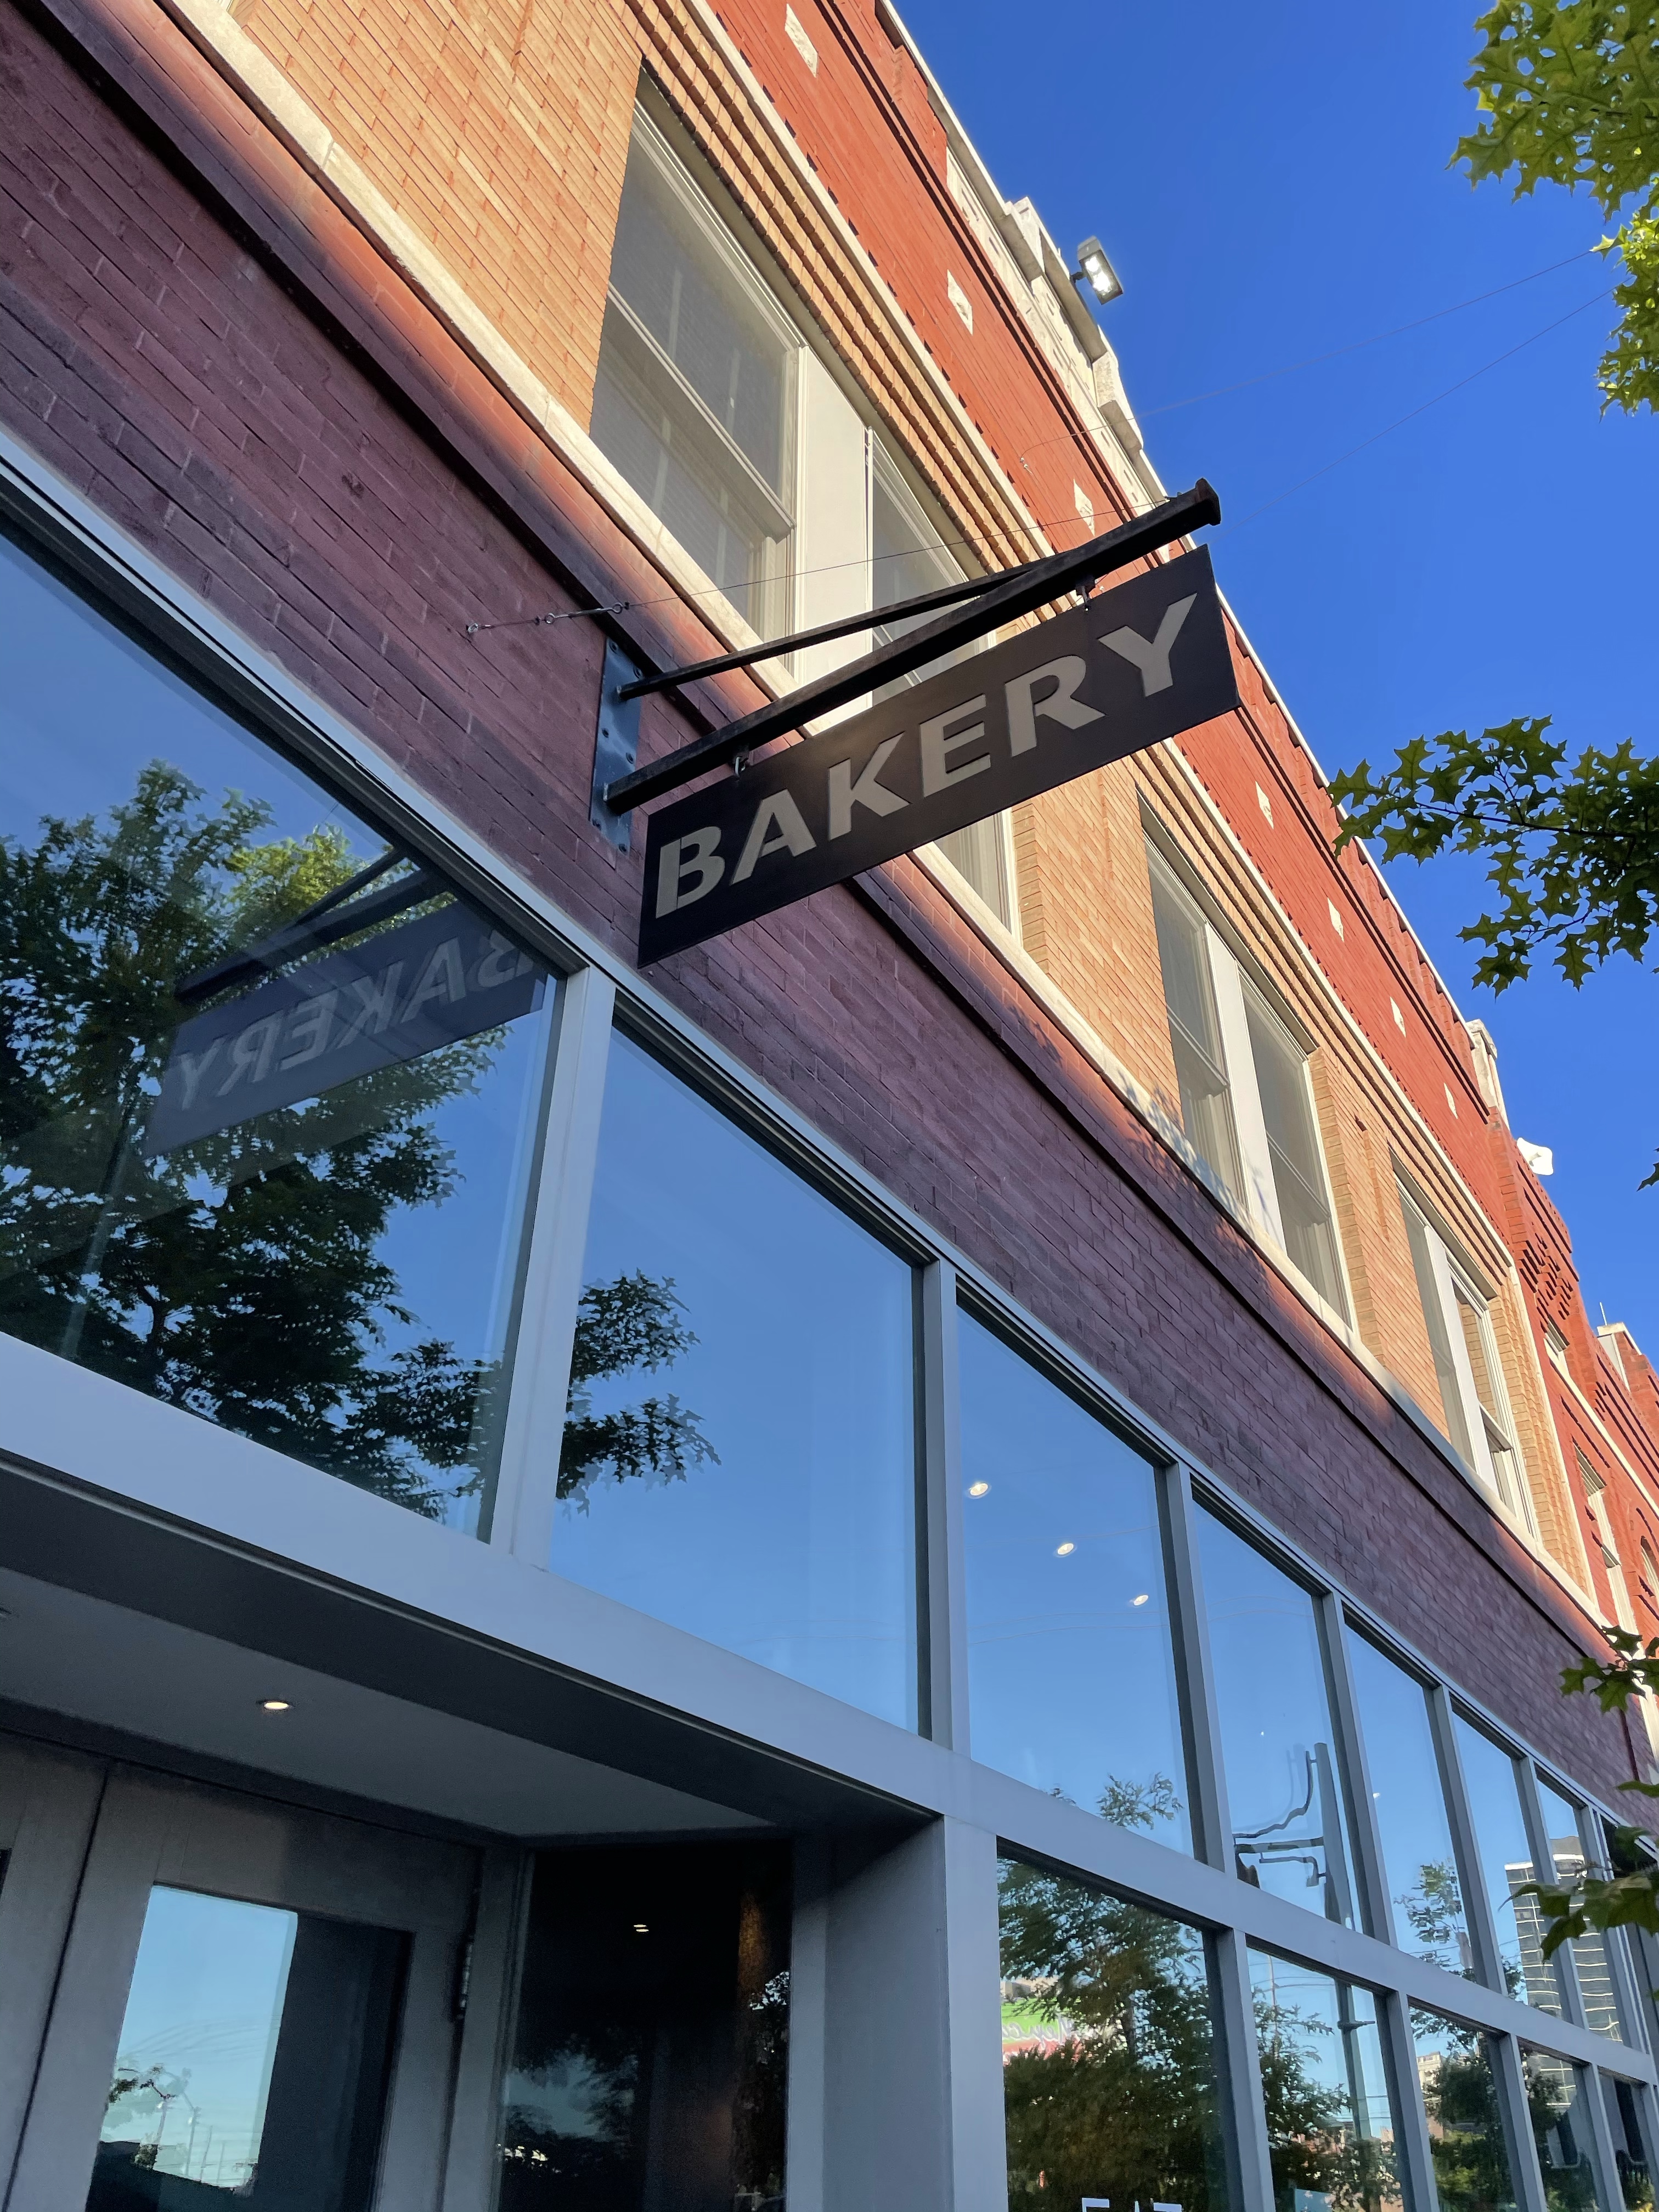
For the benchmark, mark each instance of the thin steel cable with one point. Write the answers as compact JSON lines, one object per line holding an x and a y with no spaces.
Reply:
{"x":1399,"y":422}
{"x":973,"y":544}
{"x":1313,"y":360}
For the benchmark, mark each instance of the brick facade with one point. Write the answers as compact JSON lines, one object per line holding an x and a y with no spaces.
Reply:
{"x":198,"y":329}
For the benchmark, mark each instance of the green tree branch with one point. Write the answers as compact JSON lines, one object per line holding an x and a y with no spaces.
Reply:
{"x":1571,"y":850}
{"x":1569,"y":96}
{"x":1628,"y":1897}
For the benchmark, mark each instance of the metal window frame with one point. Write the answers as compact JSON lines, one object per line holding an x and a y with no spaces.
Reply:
{"x":600,"y":990}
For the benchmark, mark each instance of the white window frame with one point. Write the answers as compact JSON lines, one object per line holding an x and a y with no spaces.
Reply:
{"x":885,"y":471}
{"x":775,"y":593}
{"x":1595,"y":1483}
{"x":1260,"y":1196}
{"x":820,"y":564}
{"x":1450,"y":1276}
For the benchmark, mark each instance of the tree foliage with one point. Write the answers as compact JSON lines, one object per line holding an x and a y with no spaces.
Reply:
{"x":1628,"y":1895}
{"x":1433,"y":1908}
{"x":1571,"y":848}
{"x":631,"y":1323}
{"x":247,"y":1276}
{"x":1569,"y":96}
{"x":1118,"y":2085}
{"x":244,"y":1276}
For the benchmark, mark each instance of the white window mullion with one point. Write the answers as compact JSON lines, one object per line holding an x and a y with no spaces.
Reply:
{"x":1474,"y":1420}
{"x":1260,"y":1194}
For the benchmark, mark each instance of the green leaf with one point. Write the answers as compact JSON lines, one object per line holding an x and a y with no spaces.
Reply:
{"x":1569,"y":95}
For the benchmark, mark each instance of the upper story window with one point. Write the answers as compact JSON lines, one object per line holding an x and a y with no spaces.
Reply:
{"x":1477,"y":1419}
{"x":906,"y":558}
{"x":1246,"y":1102}
{"x":269,"y":1090}
{"x":1556,"y":1344}
{"x":694,"y":401}
{"x":746,"y":447}
{"x":1594,"y":1483}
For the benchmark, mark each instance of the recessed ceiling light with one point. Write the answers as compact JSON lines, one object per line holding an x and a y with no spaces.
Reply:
{"x":1063,"y":1550}
{"x":977,"y":1489}
{"x":274,"y":1705}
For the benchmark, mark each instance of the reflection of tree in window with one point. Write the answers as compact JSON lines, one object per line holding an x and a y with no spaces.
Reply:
{"x":1560,"y":2129}
{"x":1110,"y":2070}
{"x":242,"y":1275}
{"x":1330,"y":2120}
{"x":648,"y":2061}
{"x":1433,"y":1909}
{"x":629,"y":1324}
{"x":1466,"y":2129}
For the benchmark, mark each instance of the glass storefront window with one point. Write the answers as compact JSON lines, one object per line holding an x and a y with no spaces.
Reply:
{"x":1325,"y":2093}
{"x":1279,"y":1744}
{"x":1626,"y":2123}
{"x":1506,"y":1865}
{"x":254,"y":2059}
{"x":649,"y":2065}
{"x":1110,"y":2060}
{"x":1466,"y":2125}
{"x":740,"y":1454}
{"x":1071,"y":1670}
{"x":1419,"y":1859}
{"x":1556,"y":2106}
{"x":1593,"y":1953}
{"x":269,"y":1090}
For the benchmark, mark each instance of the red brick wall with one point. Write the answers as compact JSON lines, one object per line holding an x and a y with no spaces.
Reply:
{"x":190,"y":384}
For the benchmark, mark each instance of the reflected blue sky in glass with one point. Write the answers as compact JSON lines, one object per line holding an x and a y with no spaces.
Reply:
{"x":1418,"y":1857}
{"x":1290,"y":1833}
{"x":795,"y":1545}
{"x":199,"y":2035}
{"x":85,"y":710}
{"x":1319,"y":2035}
{"x":1071,"y":1673}
{"x":1500,"y":1831}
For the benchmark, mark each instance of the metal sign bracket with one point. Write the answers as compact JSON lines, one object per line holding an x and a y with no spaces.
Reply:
{"x":616,"y":743}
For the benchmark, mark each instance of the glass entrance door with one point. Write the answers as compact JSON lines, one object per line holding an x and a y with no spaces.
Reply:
{"x":254,"y":2058}
{"x":256,"y":2006}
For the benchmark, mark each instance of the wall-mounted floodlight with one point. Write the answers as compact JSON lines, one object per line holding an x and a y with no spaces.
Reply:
{"x":1095,"y":270}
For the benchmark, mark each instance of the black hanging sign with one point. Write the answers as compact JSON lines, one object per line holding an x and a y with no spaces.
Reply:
{"x":1140,"y":663}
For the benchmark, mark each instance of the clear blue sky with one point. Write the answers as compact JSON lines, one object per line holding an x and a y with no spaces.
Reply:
{"x":1272,"y":183}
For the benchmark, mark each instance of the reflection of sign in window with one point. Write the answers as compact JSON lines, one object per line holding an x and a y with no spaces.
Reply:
{"x":407,"y":992}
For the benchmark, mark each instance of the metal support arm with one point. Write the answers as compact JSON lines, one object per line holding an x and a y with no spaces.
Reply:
{"x":947,"y":595}
{"x":1018,"y":592}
